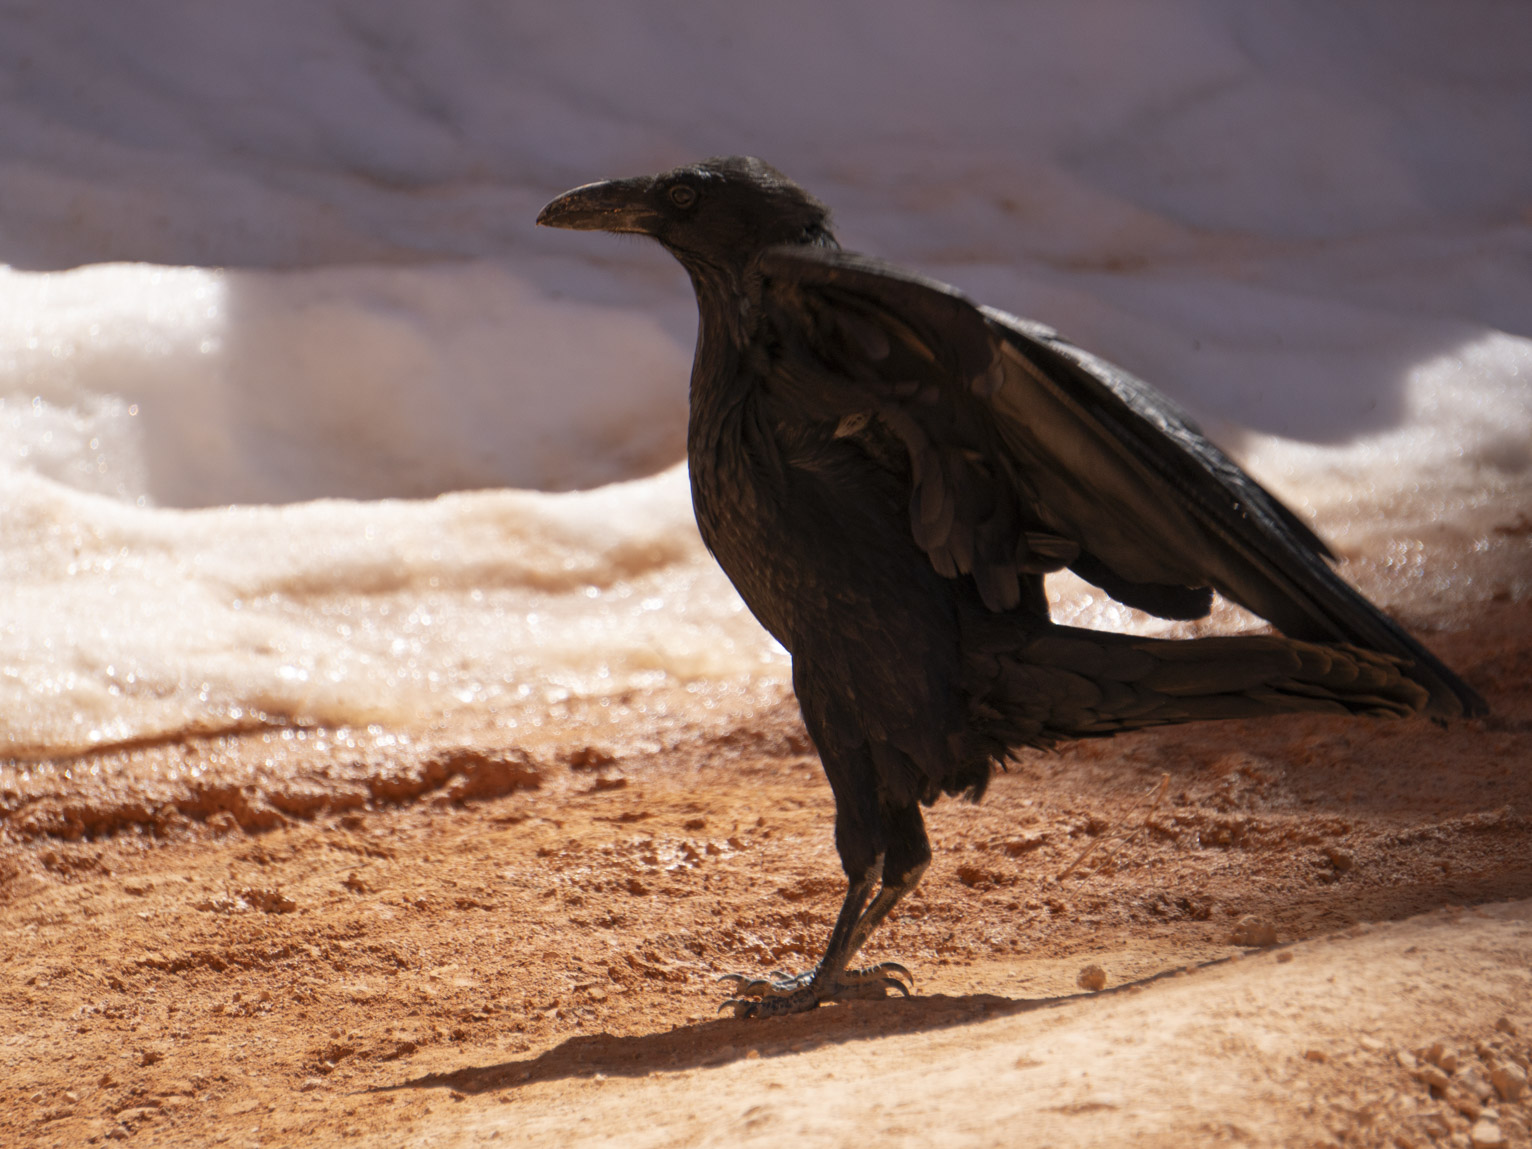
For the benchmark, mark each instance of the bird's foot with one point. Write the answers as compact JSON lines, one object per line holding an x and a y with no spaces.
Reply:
{"x":783,"y":994}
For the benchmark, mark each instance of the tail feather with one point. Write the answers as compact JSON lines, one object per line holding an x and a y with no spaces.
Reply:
{"x":1060,"y":682}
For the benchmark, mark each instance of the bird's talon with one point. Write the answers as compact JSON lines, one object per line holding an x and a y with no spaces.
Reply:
{"x":781,"y":993}
{"x":893,"y":969}
{"x":889,"y":973}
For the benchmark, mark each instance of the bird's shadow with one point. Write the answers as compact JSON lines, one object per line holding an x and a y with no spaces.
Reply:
{"x":709,"y":1044}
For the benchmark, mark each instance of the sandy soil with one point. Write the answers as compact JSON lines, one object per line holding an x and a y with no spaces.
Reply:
{"x":439,"y":937}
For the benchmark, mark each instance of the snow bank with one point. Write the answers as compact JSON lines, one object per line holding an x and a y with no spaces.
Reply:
{"x":1307,"y":223}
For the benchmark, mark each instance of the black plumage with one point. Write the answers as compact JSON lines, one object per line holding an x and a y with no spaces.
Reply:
{"x":886,"y":471}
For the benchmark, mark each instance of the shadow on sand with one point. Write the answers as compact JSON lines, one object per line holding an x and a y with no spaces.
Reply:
{"x":709,"y":1044}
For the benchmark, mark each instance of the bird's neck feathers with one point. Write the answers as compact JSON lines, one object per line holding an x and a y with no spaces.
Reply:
{"x":729,"y":288}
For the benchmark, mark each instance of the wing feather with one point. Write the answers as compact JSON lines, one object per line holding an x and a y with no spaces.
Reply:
{"x":1027,"y":453}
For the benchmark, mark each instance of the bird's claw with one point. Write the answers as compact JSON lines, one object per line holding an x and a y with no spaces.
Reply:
{"x":890,"y":971}
{"x":777,"y":984}
{"x":873,"y":987}
{"x":781,"y":993}
{"x":799,"y":1001}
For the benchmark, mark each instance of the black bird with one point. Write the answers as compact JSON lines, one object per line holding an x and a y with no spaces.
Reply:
{"x":886,"y":471}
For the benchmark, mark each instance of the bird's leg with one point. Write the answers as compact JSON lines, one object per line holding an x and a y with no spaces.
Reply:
{"x":887,"y":898}
{"x":906,"y":859}
{"x":830,"y":980}
{"x":781,"y":985}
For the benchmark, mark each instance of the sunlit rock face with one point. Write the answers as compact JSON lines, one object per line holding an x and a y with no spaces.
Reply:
{"x":298,"y":463}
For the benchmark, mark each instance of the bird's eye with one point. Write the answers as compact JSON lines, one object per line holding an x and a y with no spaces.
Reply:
{"x":683,"y":196}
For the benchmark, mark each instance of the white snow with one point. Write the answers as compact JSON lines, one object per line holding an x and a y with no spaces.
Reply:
{"x":363,"y":382}
{"x":279,"y":253}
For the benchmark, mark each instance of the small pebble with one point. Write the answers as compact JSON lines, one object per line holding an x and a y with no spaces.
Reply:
{"x":1253,"y":930}
{"x":1318,"y":1055}
{"x":1472,"y":1082}
{"x":1464,"y":1104}
{"x":1285,"y":956}
{"x":1437,"y":1052}
{"x":1433,"y":1077}
{"x":1505,"y":1025}
{"x":1486,"y":1135}
{"x":1342,"y":860}
{"x":1509,"y":1080}
{"x":1092,"y":977}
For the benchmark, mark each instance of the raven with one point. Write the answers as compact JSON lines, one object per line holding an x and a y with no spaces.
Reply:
{"x":886,"y":471}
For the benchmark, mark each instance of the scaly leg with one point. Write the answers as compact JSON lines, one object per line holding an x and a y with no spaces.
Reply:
{"x":830,"y":980}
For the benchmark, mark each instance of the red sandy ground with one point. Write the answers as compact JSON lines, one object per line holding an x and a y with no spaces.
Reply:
{"x":284,"y":939}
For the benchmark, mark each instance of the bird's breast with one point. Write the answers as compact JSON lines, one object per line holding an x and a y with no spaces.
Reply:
{"x":811,"y":531}
{"x":740,"y":512}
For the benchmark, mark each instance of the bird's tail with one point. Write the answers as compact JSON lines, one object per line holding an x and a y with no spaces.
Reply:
{"x":1050,"y":683}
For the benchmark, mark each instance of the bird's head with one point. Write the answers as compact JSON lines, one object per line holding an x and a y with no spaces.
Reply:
{"x":718,"y":211}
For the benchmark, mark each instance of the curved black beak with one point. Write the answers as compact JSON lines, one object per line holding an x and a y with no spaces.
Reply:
{"x":612,"y":205}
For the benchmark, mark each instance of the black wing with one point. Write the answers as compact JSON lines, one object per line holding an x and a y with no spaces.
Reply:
{"x":1028,"y":454}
